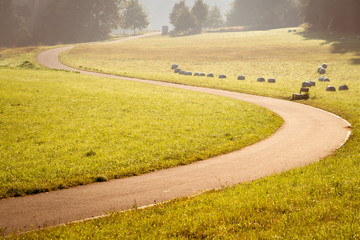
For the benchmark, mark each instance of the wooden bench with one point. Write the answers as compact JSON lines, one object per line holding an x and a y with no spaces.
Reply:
{"x":304,"y":94}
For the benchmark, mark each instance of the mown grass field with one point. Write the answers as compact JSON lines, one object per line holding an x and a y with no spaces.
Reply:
{"x":290,"y":58}
{"x":321,"y":201}
{"x":60,"y":129}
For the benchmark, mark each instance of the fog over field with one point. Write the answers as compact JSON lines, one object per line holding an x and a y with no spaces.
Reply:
{"x":158,"y":10}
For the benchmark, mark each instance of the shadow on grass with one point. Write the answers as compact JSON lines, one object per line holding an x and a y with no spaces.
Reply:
{"x":340,"y":43}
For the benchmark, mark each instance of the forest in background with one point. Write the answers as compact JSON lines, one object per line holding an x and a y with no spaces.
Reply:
{"x":35,"y":22}
{"x":66,"y":21}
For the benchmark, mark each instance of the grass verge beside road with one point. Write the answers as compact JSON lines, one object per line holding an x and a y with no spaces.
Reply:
{"x":61,"y":129}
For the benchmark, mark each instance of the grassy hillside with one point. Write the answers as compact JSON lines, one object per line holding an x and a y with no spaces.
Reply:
{"x":290,"y":58}
{"x":317,"y":202}
{"x":61,"y":129}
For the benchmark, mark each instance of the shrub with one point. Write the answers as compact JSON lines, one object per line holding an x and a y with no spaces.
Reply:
{"x":27,"y":64}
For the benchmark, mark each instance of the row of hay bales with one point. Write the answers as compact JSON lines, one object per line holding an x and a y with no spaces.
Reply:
{"x":176,"y":69}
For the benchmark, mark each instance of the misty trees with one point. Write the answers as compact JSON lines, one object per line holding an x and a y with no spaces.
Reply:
{"x":60,"y":20}
{"x":134,"y":16}
{"x":8,"y":22}
{"x":263,"y":13}
{"x":182,"y":18}
{"x":186,"y":21}
{"x":215,"y":19}
{"x":200,"y":10}
{"x":11,"y":30}
{"x":334,"y":15}
{"x":81,"y":20}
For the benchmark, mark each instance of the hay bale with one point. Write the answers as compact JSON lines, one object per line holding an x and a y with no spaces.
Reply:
{"x":271,"y":80}
{"x":182,"y":72}
{"x":294,"y":30}
{"x":306,"y":85}
{"x":222,"y":76}
{"x":289,"y":30}
{"x":188,"y":73}
{"x":174,"y":66}
{"x":321,"y":79}
{"x":177,"y":70}
{"x":202,"y":75}
{"x":326,"y":79}
{"x":261,"y":79}
{"x":313,"y":84}
{"x":330,"y":89}
{"x":210,"y":75}
{"x":324,"y":65}
{"x":196,"y":74}
{"x":343,"y":88}
{"x":321,"y":70}
{"x":241,"y":77}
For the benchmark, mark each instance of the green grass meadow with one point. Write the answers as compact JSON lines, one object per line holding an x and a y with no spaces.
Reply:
{"x":61,"y":129}
{"x":321,"y":201}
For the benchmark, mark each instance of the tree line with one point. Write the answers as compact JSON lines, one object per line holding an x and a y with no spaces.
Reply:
{"x":334,"y":15}
{"x":264,"y":14}
{"x":66,"y":21}
{"x":191,"y":21}
{"x":255,"y":13}
{"x":53,"y":21}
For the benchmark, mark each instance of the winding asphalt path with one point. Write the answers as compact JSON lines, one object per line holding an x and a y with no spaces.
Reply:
{"x":308,"y":135}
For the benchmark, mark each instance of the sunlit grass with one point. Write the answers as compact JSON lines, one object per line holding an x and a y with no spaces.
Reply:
{"x":60,"y":129}
{"x":317,"y":202}
{"x":289,"y":58}
{"x":14,"y":57}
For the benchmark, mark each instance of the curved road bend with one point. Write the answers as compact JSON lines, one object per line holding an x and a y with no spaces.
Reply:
{"x":308,"y":135}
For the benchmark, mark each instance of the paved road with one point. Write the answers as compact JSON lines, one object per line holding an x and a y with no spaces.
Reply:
{"x":308,"y":135}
